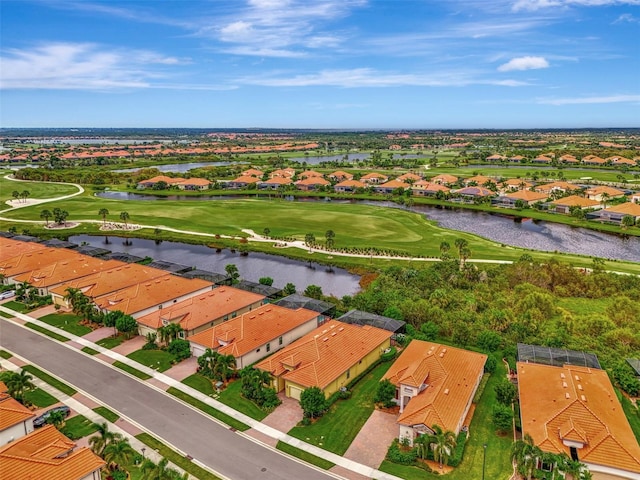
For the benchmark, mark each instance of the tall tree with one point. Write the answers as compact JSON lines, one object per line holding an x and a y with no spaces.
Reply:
{"x":330,"y":236}
{"x":442,"y":444}
{"x":102,"y":438}
{"x":124,"y":216}
{"x":46,"y":214}
{"x":524,"y":455}
{"x":103,"y":212}
{"x":18,"y":384}
{"x":117,"y":453}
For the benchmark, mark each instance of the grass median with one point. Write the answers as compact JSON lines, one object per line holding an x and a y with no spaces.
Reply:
{"x":208,"y":409}
{"x":54,"y":382}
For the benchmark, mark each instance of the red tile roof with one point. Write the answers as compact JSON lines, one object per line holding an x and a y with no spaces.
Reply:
{"x":67,"y":270}
{"x":12,"y":412}
{"x":575,"y":200}
{"x":12,"y":248}
{"x":35,"y":260}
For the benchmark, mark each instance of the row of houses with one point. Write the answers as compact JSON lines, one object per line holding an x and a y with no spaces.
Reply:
{"x":568,"y":159}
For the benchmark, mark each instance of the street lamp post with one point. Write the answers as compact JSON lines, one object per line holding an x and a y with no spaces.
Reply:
{"x":143,"y":449}
{"x":484,"y":458}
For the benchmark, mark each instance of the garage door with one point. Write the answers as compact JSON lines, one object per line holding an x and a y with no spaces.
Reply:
{"x":197,"y":350}
{"x":295,"y":392}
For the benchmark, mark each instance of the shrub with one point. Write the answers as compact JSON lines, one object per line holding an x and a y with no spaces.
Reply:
{"x":385,"y":393}
{"x":180,"y":349}
{"x":506,"y":392}
{"x":396,"y":455}
{"x":388,"y":356}
{"x":502,"y":417}
{"x":313,"y":402}
{"x":491,"y":364}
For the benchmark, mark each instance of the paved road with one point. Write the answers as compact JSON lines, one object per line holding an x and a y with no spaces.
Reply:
{"x":226,"y":452}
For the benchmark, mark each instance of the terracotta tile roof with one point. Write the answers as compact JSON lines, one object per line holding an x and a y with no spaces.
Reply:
{"x":627,"y":208}
{"x":479,"y":179}
{"x":617,"y":160}
{"x":575,"y":200}
{"x":542,"y":158}
{"x":569,"y":159}
{"x":451,"y":375}
{"x":284,"y":172}
{"x":12,"y":248}
{"x":444,"y":178}
{"x":309,"y":173}
{"x":527,"y":195}
{"x":517,"y":182}
{"x":246,"y":179}
{"x":46,"y":454}
{"x":374,"y":175}
{"x":580,"y":403}
{"x":252,"y":172}
{"x":350,"y":183}
{"x":394,"y":184}
{"x":599,"y":190}
{"x":109,"y":281}
{"x":251,"y":330}
{"x":277,"y":181}
{"x":193,"y":181}
{"x":159,"y":178}
{"x":430,"y":187}
{"x":340,"y":175}
{"x":564,"y":186}
{"x":12,"y":412}
{"x":409,"y":176}
{"x":496,"y":156}
{"x":313,"y":181}
{"x":151,"y":293}
{"x":202,"y":309}
{"x":593,"y":159}
{"x":67,"y":270}
{"x":475,"y":191}
{"x":35,"y":260}
{"x":324,"y":354}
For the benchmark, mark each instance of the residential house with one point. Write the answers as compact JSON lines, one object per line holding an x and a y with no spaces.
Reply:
{"x":33,"y":261}
{"x":283,"y":173}
{"x":193,"y":184}
{"x":445,"y":179}
{"x":107,"y":281}
{"x":348,"y":186}
{"x":472,"y":193}
{"x":152,"y":182}
{"x":617,"y":161}
{"x":526,"y":196}
{"x":603,"y":192}
{"x":635,"y":198}
{"x":252,"y":172}
{"x":310,"y":174}
{"x":557,"y":187}
{"x":496,"y":158}
{"x":435,"y":385}
{"x":242,"y":182}
{"x":516,"y":159}
{"x":425,"y":188}
{"x":542,"y":159}
{"x":616,"y":213}
{"x":257,"y":334}
{"x":274,"y":183}
{"x":48,"y":454}
{"x":328,"y":357}
{"x":339,"y":176}
{"x":63,"y":271}
{"x":12,"y":248}
{"x":409,"y":178}
{"x":201,"y":312}
{"x":374,"y":178}
{"x":143,"y":298}
{"x":568,"y":159}
{"x":563,"y":205}
{"x":16,"y":420}
{"x":578,"y":414}
{"x":391,"y":186}
{"x":513,"y":184}
{"x":477,"y":180}
{"x":593,"y":160}
{"x":312,"y":183}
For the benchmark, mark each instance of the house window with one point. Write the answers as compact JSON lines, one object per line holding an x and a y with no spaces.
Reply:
{"x":280,"y":341}
{"x":574,"y":454}
{"x":258,"y":350}
{"x":348,"y":374}
{"x":268,"y":347}
{"x":181,"y":335}
{"x":235,"y":314}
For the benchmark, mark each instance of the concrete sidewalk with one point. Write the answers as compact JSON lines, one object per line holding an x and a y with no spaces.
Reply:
{"x":260,"y":427}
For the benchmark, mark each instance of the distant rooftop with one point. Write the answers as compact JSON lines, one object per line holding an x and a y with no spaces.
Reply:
{"x":296,"y":301}
{"x":170,"y":266}
{"x":556,"y":356}
{"x":123,"y":257}
{"x":265,"y":290}
{"x":56,"y":243}
{"x":213,"y":277}
{"x":358,"y":317}
{"x":92,"y":251}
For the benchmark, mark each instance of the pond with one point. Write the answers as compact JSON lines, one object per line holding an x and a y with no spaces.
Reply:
{"x":525,"y":233}
{"x":283,"y":270}
{"x":177,"y":167}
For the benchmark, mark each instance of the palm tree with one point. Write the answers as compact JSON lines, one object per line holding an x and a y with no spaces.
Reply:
{"x":605,"y":199}
{"x":46,"y":214}
{"x":15,"y":194}
{"x":103,"y":212}
{"x":525,"y":454}
{"x":118,"y":453}
{"x":102,"y":438}
{"x":224,"y":367}
{"x":124,"y":216}
{"x":442,"y":444}
{"x":24,"y":194}
{"x":330,"y":236}
{"x":444,"y":250}
{"x":151,"y":471}
{"x":18,"y":384}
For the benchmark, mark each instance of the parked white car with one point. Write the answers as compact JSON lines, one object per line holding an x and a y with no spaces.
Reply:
{"x":7,"y":294}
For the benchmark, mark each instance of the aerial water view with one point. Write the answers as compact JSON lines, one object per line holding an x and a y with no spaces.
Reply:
{"x":319,"y":239}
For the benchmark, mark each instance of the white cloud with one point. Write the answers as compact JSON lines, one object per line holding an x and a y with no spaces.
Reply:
{"x":532,"y":5}
{"x":591,"y":100}
{"x":627,"y":18}
{"x":524,"y":63}
{"x":80,"y":66}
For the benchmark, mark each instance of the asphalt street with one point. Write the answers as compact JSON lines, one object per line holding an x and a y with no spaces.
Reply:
{"x":194,"y":433}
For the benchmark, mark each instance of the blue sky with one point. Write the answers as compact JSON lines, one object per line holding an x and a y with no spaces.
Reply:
{"x":320,"y":63}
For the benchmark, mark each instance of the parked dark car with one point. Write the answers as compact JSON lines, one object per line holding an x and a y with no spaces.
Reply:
{"x":42,"y":419}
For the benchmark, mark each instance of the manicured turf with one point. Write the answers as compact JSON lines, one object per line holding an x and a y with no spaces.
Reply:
{"x":54,"y":382}
{"x":406,"y":471}
{"x":6,"y":355}
{"x":110,"y":342}
{"x":46,"y":332}
{"x":223,"y":417}
{"x":16,"y":306}
{"x":159,"y":360}
{"x":67,"y":322}
{"x":106,"y":413}
{"x":305,"y":456}
{"x":40,"y":398}
{"x":133,"y":371}
{"x":632,"y":413}
{"x":36,"y":190}
{"x":175,"y":458}
{"x":229,"y":396}
{"x":337,"y":428}
{"x":78,"y":427}
{"x":89,"y":351}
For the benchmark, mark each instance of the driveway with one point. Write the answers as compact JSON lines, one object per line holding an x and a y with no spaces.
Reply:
{"x":182,"y":370}
{"x":98,"y":334}
{"x":371,"y":444}
{"x":130,"y":346}
{"x":286,"y":416}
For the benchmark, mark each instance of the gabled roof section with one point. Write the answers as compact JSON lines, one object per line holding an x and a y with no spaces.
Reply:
{"x":324,"y":354}
{"x":66,"y":270}
{"x":577,"y":404}
{"x":12,"y":412}
{"x":575,"y":200}
{"x":11,"y":248}
{"x":47,"y":454}
{"x":450,"y":375}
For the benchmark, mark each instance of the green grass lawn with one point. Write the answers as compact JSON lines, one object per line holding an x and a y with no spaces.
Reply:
{"x":89,"y":351}
{"x":36,"y":189}
{"x":46,"y":332}
{"x":305,"y":456}
{"x":16,"y":306}
{"x":159,"y":360}
{"x":6,"y":355}
{"x":67,"y":322}
{"x":40,"y":398}
{"x":584,"y":306}
{"x":54,"y":382}
{"x":481,"y":431}
{"x":337,"y":428}
{"x":175,"y":458}
{"x":632,"y":413}
{"x":229,"y":396}
{"x":111,"y":342}
{"x":106,"y":413}
{"x":194,"y":402}
{"x":78,"y":427}
{"x":132,"y":371}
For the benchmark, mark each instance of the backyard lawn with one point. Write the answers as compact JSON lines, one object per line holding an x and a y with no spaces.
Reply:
{"x":337,"y":428}
{"x":67,"y":322}
{"x":159,"y":360}
{"x":229,"y":396}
